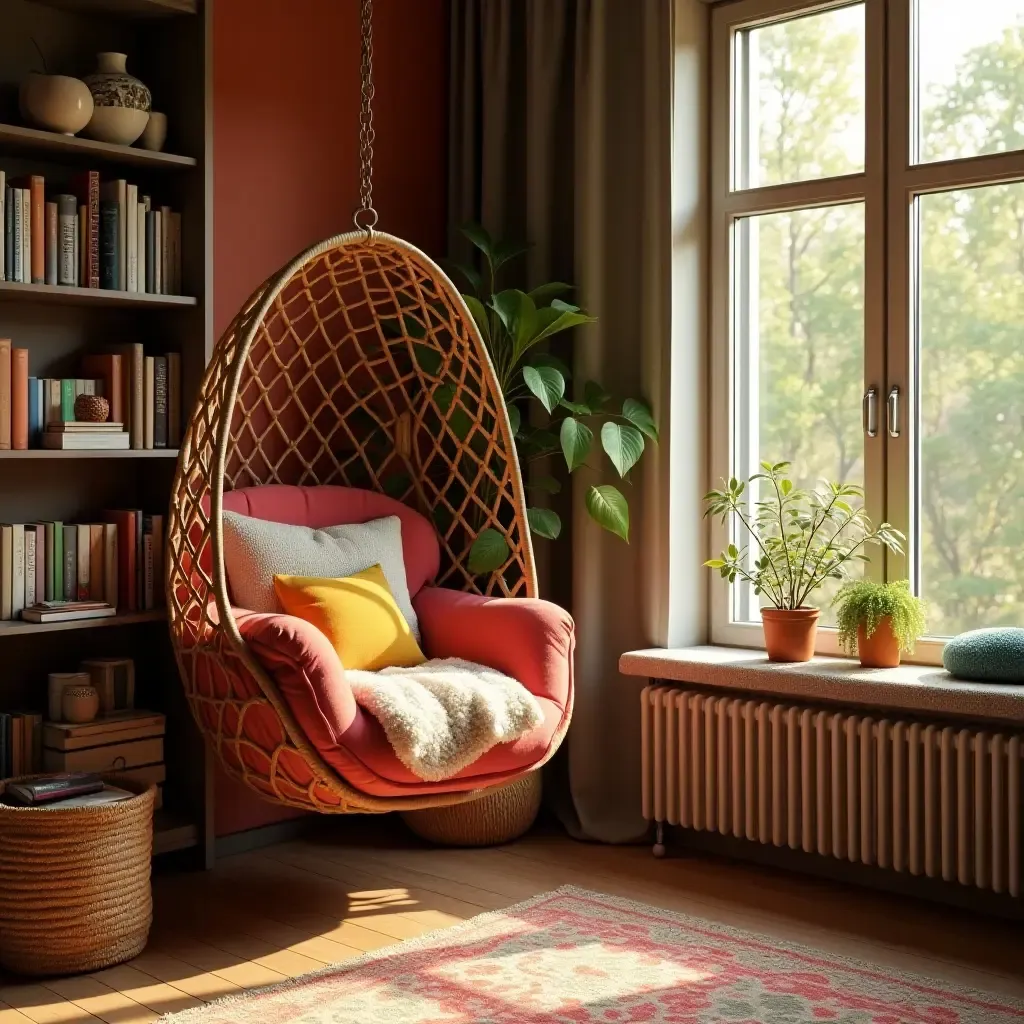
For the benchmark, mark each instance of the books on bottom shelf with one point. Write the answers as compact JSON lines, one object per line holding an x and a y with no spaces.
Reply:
{"x":67,"y":611}
{"x":78,"y":436}
{"x":21,"y":734}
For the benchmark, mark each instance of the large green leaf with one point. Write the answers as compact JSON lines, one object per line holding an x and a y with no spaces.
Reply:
{"x":543,"y":294}
{"x":471,"y":274}
{"x":429,"y":360}
{"x":505,"y":251}
{"x":562,"y":322}
{"x":623,"y":445}
{"x":480,"y":237}
{"x":639,"y":414}
{"x":608,"y":508}
{"x":576,"y":408}
{"x":506,"y":305}
{"x":476,"y":307}
{"x":576,"y":438}
{"x":514,"y":419}
{"x":564,"y":307}
{"x":544,"y":523}
{"x":595,"y":396}
{"x":546,"y":383}
{"x":547,"y":484}
{"x":547,"y":359}
{"x":413,"y":327}
{"x":488,"y":553}
{"x":537,"y":442}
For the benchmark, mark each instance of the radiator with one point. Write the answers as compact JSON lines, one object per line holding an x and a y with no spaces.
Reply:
{"x":934,"y":800}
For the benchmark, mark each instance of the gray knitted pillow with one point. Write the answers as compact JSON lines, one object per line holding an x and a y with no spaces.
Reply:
{"x":257,"y":550}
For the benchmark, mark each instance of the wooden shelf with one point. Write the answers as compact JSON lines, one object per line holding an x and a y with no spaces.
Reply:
{"x":33,"y":141}
{"x":172,"y":831}
{"x":66,"y":295}
{"x":19,"y":628}
{"x":138,"y":8}
{"x":96,"y":453}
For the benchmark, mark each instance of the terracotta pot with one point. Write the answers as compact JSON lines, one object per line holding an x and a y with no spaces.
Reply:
{"x":881,"y":649}
{"x":789,"y":634}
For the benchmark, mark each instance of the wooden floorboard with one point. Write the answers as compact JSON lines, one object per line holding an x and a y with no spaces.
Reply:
{"x":269,"y":915}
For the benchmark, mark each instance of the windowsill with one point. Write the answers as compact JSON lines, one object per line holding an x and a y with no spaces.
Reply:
{"x":917,"y":688}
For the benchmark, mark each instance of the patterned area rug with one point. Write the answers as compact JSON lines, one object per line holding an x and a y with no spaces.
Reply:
{"x":583,"y":957}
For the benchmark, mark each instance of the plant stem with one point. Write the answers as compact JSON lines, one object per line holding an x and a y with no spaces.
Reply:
{"x":750,"y":530}
{"x":782,"y":534}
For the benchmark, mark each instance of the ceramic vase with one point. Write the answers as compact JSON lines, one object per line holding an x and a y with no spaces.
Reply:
{"x":79,"y":704}
{"x":121,"y":102}
{"x":789,"y":633}
{"x":56,"y":103}
{"x":155,"y":134}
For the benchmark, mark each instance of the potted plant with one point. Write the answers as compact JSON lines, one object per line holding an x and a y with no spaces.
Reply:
{"x":800,"y":538}
{"x":879,"y":621}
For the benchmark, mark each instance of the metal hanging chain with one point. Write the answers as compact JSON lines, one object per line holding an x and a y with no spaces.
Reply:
{"x":366,"y":215}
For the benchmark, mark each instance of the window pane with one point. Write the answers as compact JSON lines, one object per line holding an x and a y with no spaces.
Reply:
{"x":799,"y":335}
{"x":970,"y":82}
{"x":800,"y":99}
{"x":971,"y":473}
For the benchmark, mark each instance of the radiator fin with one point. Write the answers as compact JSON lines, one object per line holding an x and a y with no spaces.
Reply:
{"x":912,"y":797}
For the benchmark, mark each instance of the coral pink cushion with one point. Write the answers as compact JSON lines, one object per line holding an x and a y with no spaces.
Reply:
{"x":318,"y":507}
{"x":530,"y":640}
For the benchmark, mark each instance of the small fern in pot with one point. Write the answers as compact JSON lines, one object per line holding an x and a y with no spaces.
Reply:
{"x":879,"y":621}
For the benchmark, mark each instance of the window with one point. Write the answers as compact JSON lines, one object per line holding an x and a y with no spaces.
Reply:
{"x":868,"y":281}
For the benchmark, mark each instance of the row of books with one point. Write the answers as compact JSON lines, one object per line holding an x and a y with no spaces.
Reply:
{"x":97,"y":235}
{"x":144,"y":394}
{"x":117,"y":564}
{"x":21,"y":743}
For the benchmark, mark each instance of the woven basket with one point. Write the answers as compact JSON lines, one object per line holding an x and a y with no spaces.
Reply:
{"x":498,"y":817}
{"x":74,"y":883}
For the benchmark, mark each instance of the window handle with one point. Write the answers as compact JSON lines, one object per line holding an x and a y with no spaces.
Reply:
{"x":894,"y":412}
{"x":869,"y":412}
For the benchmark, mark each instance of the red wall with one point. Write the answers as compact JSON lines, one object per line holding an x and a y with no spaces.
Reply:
{"x":285,"y":155}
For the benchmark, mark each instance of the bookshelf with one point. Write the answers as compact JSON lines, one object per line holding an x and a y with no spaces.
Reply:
{"x":167,"y":42}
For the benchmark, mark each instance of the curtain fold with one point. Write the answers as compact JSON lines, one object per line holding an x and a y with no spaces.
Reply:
{"x":561,"y":135}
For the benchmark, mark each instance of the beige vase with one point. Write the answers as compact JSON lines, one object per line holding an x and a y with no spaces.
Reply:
{"x":56,"y":103}
{"x":122,"y":102}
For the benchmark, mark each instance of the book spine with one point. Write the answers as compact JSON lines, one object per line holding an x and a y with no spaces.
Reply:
{"x":150,"y":252}
{"x":37,"y":220}
{"x":149,"y":406}
{"x":67,"y":400}
{"x":58,"y":561}
{"x":173,"y":400}
{"x":30,"y":567}
{"x":48,"y":563}
{"x":139,"y":564}
{"x":97,"y":564}
{"x":35,"y":412}
{"x":3,"y":225}
{"x":165,"y":251}
{"x":87,"y":188}
{"x":78,"y":255}
{"x":138,"y":405}
{"x":131,"y":213}
{"x":147,"y":572}
{"x":51,"y":243}
{"x":122,"y":234}
{"x":110,"y":566}
{"x":70,"y":581}
{"x":176,"y":253}
{"x":67,"y":272}
{"x":5,"y":394}
{"x":6,"y":571}
{"x":109,"y":269}
{"x":9,"y":234}
{"x":19,"y":243}
{"x":19,"y":399}
{"x":26,"y":236}
{"x":160,"y":402}
{"x":140,"y":241}
{"x":83,"y":247}
{"x":156,"y":529}
{"x":158,"y":252}
{"x":40,"y":532}
{"x":17,"y":571}
{"x":84,"y":550}
{"x":52,"y":402}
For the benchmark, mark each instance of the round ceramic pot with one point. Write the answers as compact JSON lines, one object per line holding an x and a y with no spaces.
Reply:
{"x":789,"y":634}
{"x":56,"y":103}
{"x":79,"y":704}
{"x":155,"y":134}
{"x":881,"y":649}
{"x":122,"y":103}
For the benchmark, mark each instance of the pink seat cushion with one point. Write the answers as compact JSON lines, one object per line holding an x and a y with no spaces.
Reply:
{"x":318,"y":507}
{"x":530,"y":640}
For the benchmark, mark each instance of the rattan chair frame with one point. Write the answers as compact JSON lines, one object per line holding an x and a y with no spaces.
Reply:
{"x":451,"y":448}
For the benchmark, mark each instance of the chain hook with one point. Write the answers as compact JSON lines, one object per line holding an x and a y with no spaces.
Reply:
{"x":365,"y":218}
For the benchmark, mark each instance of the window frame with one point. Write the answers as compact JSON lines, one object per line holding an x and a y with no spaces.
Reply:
{"x":889,"y":188}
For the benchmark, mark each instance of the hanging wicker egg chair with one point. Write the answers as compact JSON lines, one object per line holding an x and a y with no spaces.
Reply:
{"x":357,"y":365}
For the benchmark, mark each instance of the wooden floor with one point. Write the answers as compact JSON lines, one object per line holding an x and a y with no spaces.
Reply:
{"x":292,"y":908}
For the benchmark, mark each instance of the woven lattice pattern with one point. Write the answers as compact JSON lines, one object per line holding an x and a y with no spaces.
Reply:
{"x":359,"y":364}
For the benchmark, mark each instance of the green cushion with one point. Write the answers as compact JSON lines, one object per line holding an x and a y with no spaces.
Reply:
{"x":987,"y":655}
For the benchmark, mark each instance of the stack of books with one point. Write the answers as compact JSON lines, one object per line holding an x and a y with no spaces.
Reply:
{"x":117,"y":564}
{"x":143,"y":392}
{"x":90,"y":234}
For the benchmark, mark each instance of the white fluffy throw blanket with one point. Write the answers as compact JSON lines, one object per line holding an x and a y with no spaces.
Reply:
{"x":442,"y":715}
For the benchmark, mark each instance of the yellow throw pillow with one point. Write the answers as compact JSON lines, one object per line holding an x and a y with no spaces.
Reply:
{"x":358,"y":614}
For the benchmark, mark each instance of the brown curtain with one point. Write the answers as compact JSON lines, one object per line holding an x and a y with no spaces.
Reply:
{"x":562,"y":123}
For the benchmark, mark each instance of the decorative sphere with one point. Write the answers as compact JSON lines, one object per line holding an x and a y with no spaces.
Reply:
{"x":993,"y":655}
{"x":91,"y":409}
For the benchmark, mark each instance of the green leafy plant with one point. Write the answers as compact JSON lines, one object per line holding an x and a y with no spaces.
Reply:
{"x":800,"y":538}
{"x":865,"y":603}
{"x":545,"y":420}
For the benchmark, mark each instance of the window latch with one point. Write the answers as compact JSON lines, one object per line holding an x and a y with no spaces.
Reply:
{"x":894,"y":412}
{"x":869,"y":412}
